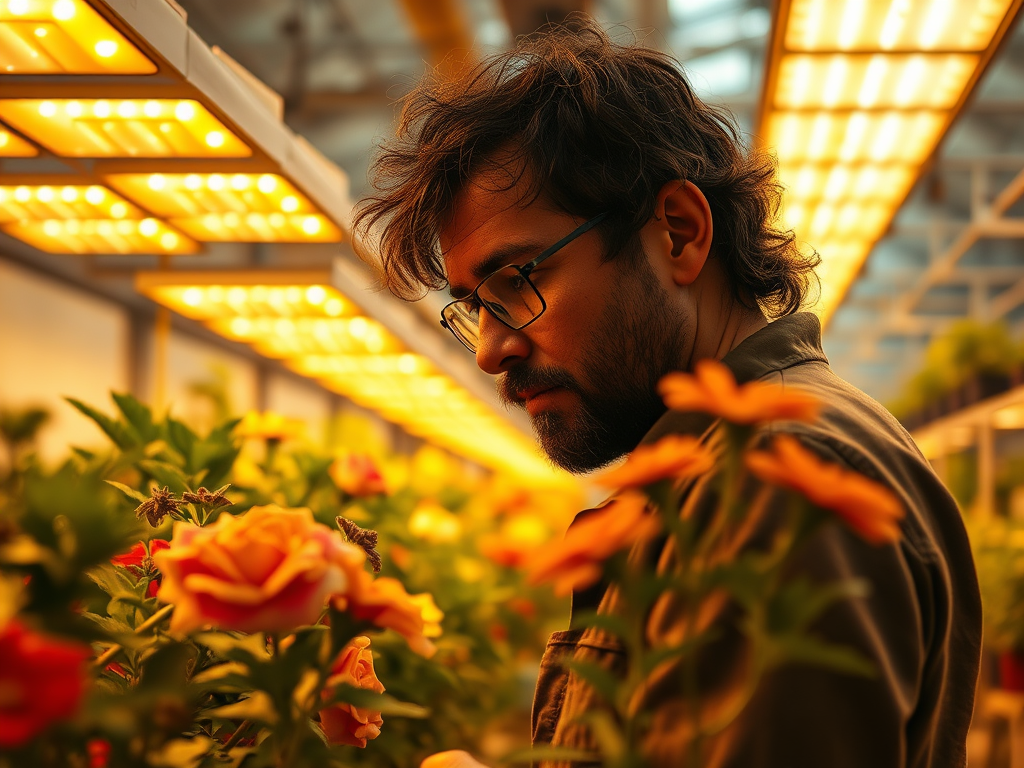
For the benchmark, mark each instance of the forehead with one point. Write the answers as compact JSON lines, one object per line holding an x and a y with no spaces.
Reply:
{"x":496,"y":211}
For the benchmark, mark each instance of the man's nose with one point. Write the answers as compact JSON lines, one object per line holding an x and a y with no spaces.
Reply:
{"x":499,"y":347}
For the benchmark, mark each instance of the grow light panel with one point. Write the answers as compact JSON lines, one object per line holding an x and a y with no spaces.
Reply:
{"x":46,"y":37}
{"x":291,"y":316}
{"x":288,"y":337}
{"x":238,"y":207}
{"x":63,"y":201}
{"x":101,"y":236}
{"x":123,"y":127}
{"x":12,"y":145}
{"x":250,"y":301}
{"x":905,"y":138}
{"x":874,"y":183}
{"x":893,"y":25}
{"x":845,"y":81}
{"x":857,"y":96}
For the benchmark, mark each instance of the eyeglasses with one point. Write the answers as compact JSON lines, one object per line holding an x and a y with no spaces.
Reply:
{"x":507,"y":293}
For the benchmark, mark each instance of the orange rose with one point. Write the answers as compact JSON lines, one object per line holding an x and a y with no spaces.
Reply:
{"x":270,"y":569}
{"x":42,"y":679}
{"x":346,"y":723}
{"x":675,"y":456}
{"x":712,"y":389}
{"x":385,"y":602}
{"x":576,"y":561}
{"x":357,"y":475}
{"x":869,"y":508}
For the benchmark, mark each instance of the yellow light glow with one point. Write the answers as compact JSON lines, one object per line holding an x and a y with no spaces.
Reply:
{"x":801,"y":137}
{"x":877,"y":183}
{"x":15,"y":146}
{"x":893,"y":25}
{"x":39,"y":203}
{"x":354,"y":356}
{"x":67,"y":36}
{"x":100,"y":236}
{"x":122,"y":128}
{"x":873,"y":81}
{"x":255,"y":302}
{"x":191,"y":195}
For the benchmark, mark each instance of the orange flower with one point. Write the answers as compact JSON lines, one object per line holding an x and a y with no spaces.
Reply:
{"x":512,"y":544}
{"x":270,"y":569}
{"x":712,"y":389}
{"x":675,"y":456}
{"x":346,"y":723}
{"x":575,"y":561}
{"x":385,"y":602}
{"x":357,"y":475}
{"x":869,"y":508}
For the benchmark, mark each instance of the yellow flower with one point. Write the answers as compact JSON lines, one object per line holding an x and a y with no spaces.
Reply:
{"x":269,"y":426}
{"x":712,"y":389}
{"x":432,"y":615}
{"x":575,"y":562}
{"x":432,"y":522}
{"x":869,"y":508}
{"x":674,"y":456}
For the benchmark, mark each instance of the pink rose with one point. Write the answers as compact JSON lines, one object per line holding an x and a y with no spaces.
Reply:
{"x":345,"y":723}
{"x":269,"y":570}
{"x":42,"y":679}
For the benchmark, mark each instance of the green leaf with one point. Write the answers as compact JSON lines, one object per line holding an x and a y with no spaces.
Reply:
{"x":115,"y":430}
{"x":139,"y":416}
{"x":183,"y":439}
{"x":600,"y":679}
{"x":131,"y":493}
{"x":258,"y":707}
{"x":165,"y":474}
{"x":182,"y":753}
{"x":248,"y":649}
{"x":380,"y":702}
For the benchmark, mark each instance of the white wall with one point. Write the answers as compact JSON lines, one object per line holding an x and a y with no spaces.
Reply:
{"x":54,"y":341}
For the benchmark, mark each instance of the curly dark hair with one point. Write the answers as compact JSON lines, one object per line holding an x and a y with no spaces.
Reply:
{"x":598,"y":127}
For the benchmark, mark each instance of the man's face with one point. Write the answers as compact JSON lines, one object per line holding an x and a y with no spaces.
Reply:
{"x":586,"y":371}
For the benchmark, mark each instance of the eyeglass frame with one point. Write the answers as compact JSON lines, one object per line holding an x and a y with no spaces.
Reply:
{"x":524,"y":271}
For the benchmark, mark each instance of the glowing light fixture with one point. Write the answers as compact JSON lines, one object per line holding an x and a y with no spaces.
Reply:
{"x":303,"y":319}
{"x":63,"y":201}
{"x":101,"y":236}
{"x":12,"y":145}
{"x":123,"y":127}
{"x":857,"y":97}
{"x":45,"y":37}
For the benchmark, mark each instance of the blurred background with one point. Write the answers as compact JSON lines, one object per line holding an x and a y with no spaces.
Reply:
{"x":178,"y":178}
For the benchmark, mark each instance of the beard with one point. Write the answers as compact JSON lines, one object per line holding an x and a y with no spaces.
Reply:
{"x":637,"y":340}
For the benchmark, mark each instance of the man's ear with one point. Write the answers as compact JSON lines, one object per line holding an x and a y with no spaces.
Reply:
{"x":682,"y":218}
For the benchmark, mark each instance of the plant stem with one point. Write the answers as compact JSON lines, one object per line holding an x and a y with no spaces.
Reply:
{"x":152,"y":621}
{"x":237,"y":735}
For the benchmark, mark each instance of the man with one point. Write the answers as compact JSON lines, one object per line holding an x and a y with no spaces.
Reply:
{"x":599,"y":226}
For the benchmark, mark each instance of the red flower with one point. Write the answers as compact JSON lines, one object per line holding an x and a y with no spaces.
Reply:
{"x":42,"y":680}
{"x":139,"y":561}
{"x":357,"y":475}
{"x":99,"y":753}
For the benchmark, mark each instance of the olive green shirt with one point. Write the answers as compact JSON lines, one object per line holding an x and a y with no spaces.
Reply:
{"x":920,"y":625}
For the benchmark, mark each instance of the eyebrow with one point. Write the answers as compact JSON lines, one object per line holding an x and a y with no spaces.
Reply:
{"x":499,"y":258}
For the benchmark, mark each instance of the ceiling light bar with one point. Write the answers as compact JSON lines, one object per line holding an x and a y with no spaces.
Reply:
{"x":55,"y":37}
{"x":123,"y":127}
{"x":12,"y":145}
{"x":383,"y":359}
{"x":857,"y":96}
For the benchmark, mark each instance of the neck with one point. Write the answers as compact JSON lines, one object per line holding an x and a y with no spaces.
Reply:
{"x":719,"y":321}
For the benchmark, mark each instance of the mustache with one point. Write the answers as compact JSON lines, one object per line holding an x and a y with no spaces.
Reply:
{"x":520,"y":379}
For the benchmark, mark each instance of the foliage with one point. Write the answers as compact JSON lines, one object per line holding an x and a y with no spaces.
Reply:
{"x":228,"y":698}
{"x":998,"y":546}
